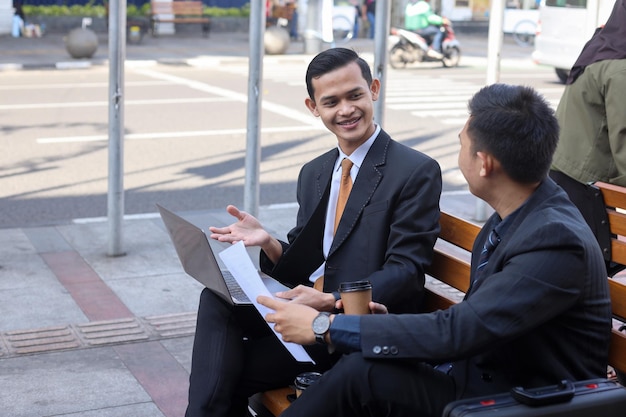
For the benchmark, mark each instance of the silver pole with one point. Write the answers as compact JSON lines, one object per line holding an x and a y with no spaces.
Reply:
{"x":117,"y":54}
{"x":381,"y":31}
{"x":494,"y":50}
{"x":494,"y":46}
{"x":255,"y":80}
{"x":313,"y":32}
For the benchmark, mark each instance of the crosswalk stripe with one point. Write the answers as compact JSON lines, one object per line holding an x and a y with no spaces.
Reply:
{"x":430,"y":99}
{"x":440,"y":113}
{"x":430,"y":105}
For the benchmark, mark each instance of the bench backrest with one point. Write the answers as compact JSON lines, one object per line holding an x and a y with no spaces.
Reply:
{"x":177,"y":7}
{"x":451,"y":260}
{"x":615,"y":201}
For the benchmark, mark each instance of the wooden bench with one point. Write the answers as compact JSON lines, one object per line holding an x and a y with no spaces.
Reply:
{"x":448,"y":278}
{"x":178,"y":11}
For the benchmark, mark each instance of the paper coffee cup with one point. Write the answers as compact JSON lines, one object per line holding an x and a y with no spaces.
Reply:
{"x":303,"y":381}
{"x":356,"y":296}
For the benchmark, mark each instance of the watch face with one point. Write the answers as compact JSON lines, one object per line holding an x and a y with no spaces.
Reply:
{"x":321,"y":323}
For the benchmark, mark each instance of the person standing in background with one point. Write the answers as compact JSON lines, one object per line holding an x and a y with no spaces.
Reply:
{"x":357,"y":18}
{"x":18,"y":20}
{"x":592,"y":119}
{"x":369,"y":14}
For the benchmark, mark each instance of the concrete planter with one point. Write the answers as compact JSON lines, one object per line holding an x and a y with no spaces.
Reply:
{"x":81,"y":43}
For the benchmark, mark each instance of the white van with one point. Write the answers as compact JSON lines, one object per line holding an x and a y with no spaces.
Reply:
{"x":564,"y":28}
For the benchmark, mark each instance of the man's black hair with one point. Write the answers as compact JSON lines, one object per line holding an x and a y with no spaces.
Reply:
{"x":517,"y":126}
{"x":331,"y":60}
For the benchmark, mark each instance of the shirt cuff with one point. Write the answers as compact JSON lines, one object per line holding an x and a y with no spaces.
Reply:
{"x":345,"y":333}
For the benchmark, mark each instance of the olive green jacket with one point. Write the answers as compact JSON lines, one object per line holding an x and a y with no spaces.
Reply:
{"x":592,"y":117}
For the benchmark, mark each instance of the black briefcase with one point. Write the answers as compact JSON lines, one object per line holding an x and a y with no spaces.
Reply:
{"x":591,"y":398}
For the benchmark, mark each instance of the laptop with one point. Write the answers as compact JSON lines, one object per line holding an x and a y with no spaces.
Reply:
{"x":198,"y":260}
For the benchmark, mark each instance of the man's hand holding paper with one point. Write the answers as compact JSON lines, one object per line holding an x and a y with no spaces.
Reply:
{"x":240,"y":265}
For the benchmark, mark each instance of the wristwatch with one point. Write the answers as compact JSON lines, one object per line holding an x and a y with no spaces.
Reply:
{"x":321,"y":324}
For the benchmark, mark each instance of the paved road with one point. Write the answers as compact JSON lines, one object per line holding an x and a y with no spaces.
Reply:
{"x":185,"y":129}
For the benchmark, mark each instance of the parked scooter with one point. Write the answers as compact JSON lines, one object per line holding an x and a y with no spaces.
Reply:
{"x":409,"y":47}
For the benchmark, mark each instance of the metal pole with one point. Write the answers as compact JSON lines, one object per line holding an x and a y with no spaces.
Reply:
{"x":313,"y":32}
{"x":494,"y":50}
{"x":381,"y":30}
{"x":494,"y":46}
{"x":255,"y":79}
{"x":117,"y":54}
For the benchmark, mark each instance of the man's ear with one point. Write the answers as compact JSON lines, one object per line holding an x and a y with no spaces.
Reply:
{"x":487,"y":163}
{"x":310,"y":104}
{"x":375,"y":88}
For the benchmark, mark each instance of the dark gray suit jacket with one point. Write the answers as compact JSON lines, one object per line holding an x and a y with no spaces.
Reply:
{"x":539,"y":313}
{"x":387,"y":230}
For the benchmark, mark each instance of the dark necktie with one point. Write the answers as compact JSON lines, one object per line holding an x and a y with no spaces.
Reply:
{"x":490,"y":245}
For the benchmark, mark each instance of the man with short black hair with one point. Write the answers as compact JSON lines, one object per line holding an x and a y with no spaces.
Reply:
{"x":385,"y":234}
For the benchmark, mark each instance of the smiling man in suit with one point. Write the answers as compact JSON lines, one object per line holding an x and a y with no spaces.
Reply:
{"x":385,"y":234}
{"x":537,"y":310}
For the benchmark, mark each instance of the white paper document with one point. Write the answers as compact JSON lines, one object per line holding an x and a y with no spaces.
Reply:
{"x":240,"y":265}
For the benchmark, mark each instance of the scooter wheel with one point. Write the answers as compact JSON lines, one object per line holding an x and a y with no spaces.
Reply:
{"x":451,"y":57}
{"x":397,"y":57}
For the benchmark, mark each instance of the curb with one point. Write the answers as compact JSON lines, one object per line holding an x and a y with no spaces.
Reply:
{"x":217,"y":61}
{"x":191,"y":62}
{"x":54,"y":65}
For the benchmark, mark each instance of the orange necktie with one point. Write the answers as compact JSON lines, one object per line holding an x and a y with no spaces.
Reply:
{"x":345,"y":186}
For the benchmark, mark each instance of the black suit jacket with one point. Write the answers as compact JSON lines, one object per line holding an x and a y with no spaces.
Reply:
{"x":539,"y":313}
{"x":387,"y":230}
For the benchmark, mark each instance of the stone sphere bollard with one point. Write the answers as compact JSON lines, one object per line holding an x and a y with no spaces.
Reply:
{"x":81,"y":43}
{"x":276,"y":40}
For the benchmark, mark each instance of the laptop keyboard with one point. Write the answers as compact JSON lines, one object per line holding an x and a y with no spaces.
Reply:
{"x":233,"y":287}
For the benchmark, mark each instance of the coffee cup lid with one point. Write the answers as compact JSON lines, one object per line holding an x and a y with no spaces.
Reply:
{"x":355,"y":286}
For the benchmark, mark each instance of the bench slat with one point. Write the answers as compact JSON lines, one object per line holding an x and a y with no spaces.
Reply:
{"x":618,"y":298}
{"x":458,"y":231}
{"x":618,"y":251}
{"x":450,"y":269}
{"x":182,"y":20}
{"x":617,"y":222}
{"x":613,"y":195}
{"x":434,"y":302}
{"x":178,"y":11}
{"x":276,"y":400}
{"x":617,"y":358}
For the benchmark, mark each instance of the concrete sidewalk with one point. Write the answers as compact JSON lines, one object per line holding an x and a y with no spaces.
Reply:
{"x":84,"y":334}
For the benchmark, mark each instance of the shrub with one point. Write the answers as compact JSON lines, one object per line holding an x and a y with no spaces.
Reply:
{"x":91,"y":10}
